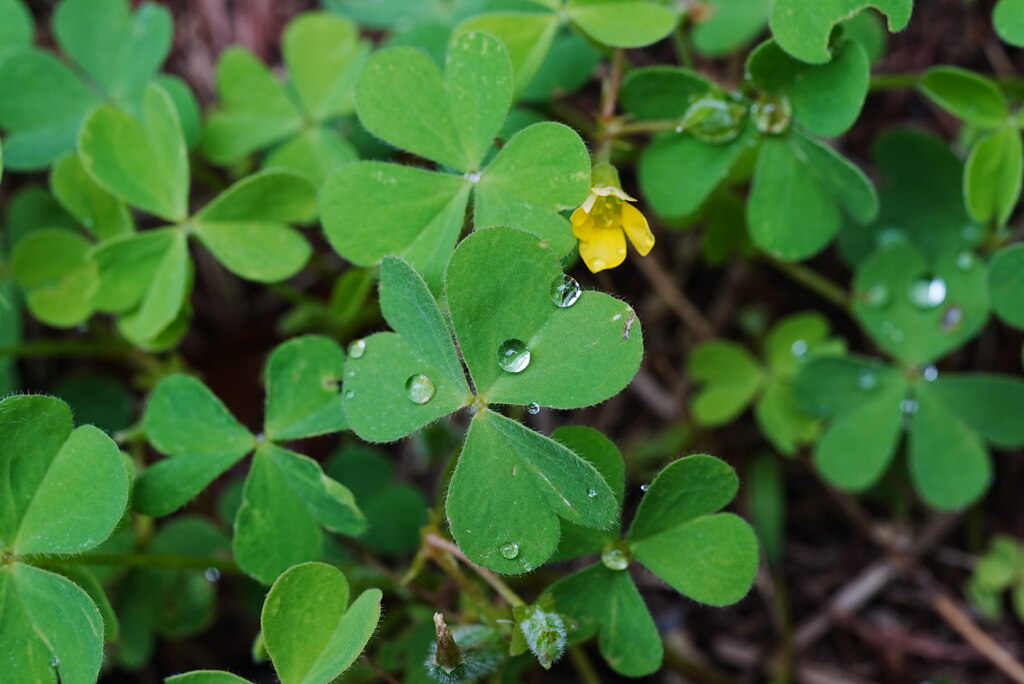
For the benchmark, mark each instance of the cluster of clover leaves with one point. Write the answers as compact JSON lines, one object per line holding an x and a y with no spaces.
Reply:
{"x":478,"y":324}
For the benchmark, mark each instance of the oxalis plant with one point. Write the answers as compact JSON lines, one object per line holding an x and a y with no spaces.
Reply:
{"x":394,"y":471}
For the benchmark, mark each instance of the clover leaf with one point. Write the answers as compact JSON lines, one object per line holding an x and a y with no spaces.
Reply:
{"x":925,"y":209}
{"x":145,"y":277}
{"x":64,"y":490}
{"x":43,"y":100}
{"x":534,"y":37}
{"x":804,"y":29}
{"x":1006,"y":284}
{"x":311,"y":632}
{"x":1008,"y":18}
{"x":919,"y":309}
{"x":513,"y":324}
{"x":681,"y":536}
{"x":322,"y":56}
{"x":995,"y":165}
{"x":286,"y":499}
{"x":732,"y":379}
{"x":949,"y":418}
{"x":451,"y":119}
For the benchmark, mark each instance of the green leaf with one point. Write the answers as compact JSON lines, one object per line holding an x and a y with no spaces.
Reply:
{"x":992,"y":179}
{"x":246,"y":225}
{"x":997,"y":569}
{"x":311,"y":633}
{"x":255,"y":110}
{"x":303,"y":379}
{"x":1006,"y":283}
{"x":731,"y":24}
{"x":622,"y":23}
{"x":186,"y":421}
{"x":826,"y":98}
{"x":790,"y":214}
{"x":16,"y":28}
{"x":315,"y":153}
{"x":982,"y":401}
{"x":863,"y":402}
{"x":187,"y":106}
{"x":804,"y":29}
{"x":515,"y":528}
{"x":662,"y":92}
{"x":286,"y":500}
{"x":712,"y":558}
{"x":165,"y":295}
{"x":949,"y":464}
{"x":1009,"y":21}
{"x":967,"y":95}
{"x":607,"y":602}
{"x":97,"y":210}
{"x":402,"y":98}
{"x":323,"y":54}
{"x":424,"y":212}
{"x":144,"y":162}
{"x":544,"y":169}
{"x":42,"y":105}
{"x":766,"y":493}
{"x":376,"y":397}
{"x":920,"y":312}
{"x":206,"y":677}
{"x":89,"y":583}
{"x":51,"y":265}
{"x":678,"y":172}
{"x":498,"y":288}
{"x":845,"y":182}
{"x":128,"y":265}
{"x":527,"y":36}
{"x":730,"y":376}
{"x":925,"y":209}
{"x":120,"y":51}
{"x":48,"y":623}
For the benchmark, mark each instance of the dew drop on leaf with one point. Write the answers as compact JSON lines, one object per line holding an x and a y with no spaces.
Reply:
{"x":644,"y":487}
{"x":54,"y":661}
{"x":772,"y":114}
{"x":616,"y":555}
{"x":591,"y":493}
{"x":931,"y":374}
{"x":927,"y":293}
{"x":419,"y":389}
{"x":509,"y":550}
{"x":211,"y":574}
{"x":513,"y":356}
{"x":714,"y":118}
{"x":952,"y":318}
{"x":350,"y":394}
{"x":909,"y":406}
{"x":357,"y":349}
{"x":565,"y":291}
{"x":965,"y":260}
{"x":533,"y":409}
{"x":867,"y":380}
{"x":799,"y":348}
{"x":877,"y":296}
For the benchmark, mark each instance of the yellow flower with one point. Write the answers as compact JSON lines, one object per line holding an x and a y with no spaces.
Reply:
{"x":602,"y":225}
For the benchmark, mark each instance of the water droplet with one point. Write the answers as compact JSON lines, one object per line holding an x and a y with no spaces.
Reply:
{"x":513,"y":356}
{"x":714,"y":118}
{"x":867,"y":380}
{"x":350,"y":394}
{"x":473,"y":176}
{"x":930,"y":374}
{"x":965,"y":260}
{"x":598,"y":264}
{"x":533,"y":409}
{"x":616,"y":555}
{"x":877,"y":296}
{"x":509,"y":550}
{"x":927,"y":292}
{"x":419,"y":389}
{"x":909,"y":407}
{"x":350,"y":374}
{"x":54,"y":661}
{"x":211,"y":574}
{"x":952,"y":318}
{"x":527,"y":566}
{"x":799,"y":348}
{"x":357,"y":349}
{"x":772,"y":114}
{"x":890,"y":236}
{"x":591,"y":493}
{"x":565,"y":291}
{"x":644,"y":487}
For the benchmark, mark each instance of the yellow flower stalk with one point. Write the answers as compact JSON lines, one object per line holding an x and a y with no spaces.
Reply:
{"x":606,"y":219}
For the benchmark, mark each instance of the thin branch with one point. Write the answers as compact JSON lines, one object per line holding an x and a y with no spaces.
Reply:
{"x":674,"y":298}
{"x":499,"y":586}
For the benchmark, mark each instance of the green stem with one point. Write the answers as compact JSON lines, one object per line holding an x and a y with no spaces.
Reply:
{"x":503,"y":590}
{"x":584,"y":668}
{"x":895,"y":81}
{"x":46,"y":348}
{"x":166,"y":561}
{"x":814,"y":281}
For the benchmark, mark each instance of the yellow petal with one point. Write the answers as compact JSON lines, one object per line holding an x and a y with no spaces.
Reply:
{"x":635,"y":225}
{"x":581,"y":224}
{"x":605,"y":248}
